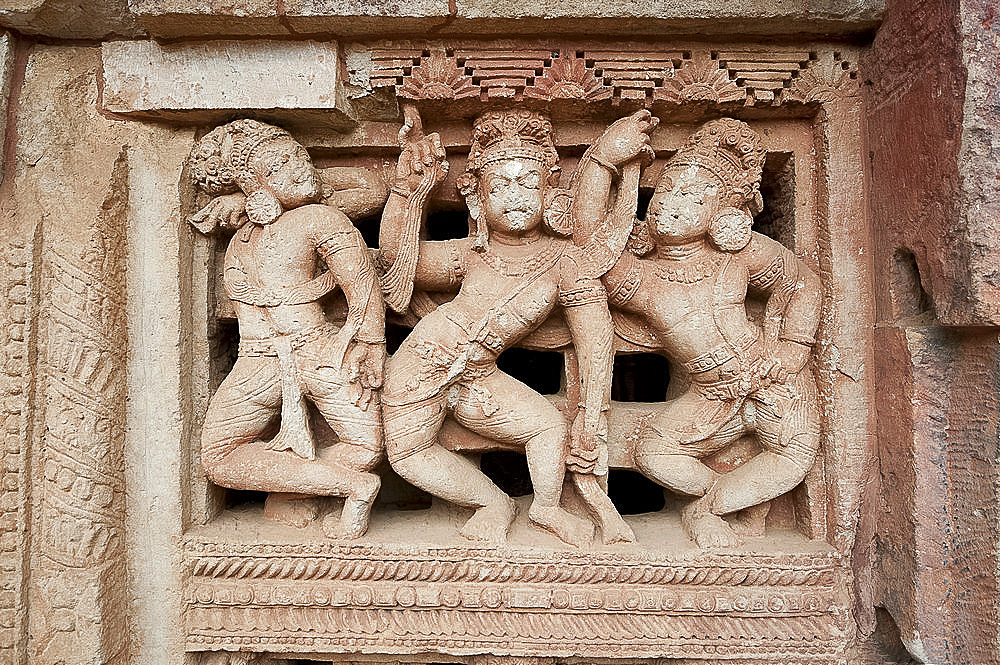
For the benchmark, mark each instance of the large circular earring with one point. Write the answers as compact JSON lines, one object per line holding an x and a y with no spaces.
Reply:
{"x":263,"y":207}
{"x":729,"y":229}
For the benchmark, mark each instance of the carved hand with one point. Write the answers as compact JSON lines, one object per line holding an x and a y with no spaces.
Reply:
{"x":365,"y":366}
{"x":227,"y":212}
{"x":422,"y":159}
{"x":583,"y":451}
{"x":788,"y":359}
{"x":626,"y":139}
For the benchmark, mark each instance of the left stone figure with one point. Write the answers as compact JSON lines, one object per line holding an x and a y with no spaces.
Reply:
{"x":289,"y":353}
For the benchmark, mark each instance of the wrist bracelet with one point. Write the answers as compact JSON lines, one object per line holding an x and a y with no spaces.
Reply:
{"x":606,"y":165}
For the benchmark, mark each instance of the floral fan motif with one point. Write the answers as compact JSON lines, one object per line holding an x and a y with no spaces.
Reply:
{"x":438,"y":77}
{"x":568,"y":78}
{"x":822,"y":82}
{"x":701,"y":81}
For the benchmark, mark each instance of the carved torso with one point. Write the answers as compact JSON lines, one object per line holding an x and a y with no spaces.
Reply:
{"x":278,"y":256}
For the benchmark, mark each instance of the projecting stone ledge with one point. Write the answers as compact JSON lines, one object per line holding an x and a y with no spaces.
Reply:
{"x":204,"y":81}
{"x":368,"y":18}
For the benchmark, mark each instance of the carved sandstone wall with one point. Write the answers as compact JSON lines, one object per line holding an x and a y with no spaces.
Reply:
{"x":114,"y":548}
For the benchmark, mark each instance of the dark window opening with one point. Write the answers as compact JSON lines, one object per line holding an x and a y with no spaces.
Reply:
{"x":508,"y":470}
{"x":777,"y":187}
{"x":633,"y":493}
{"x":540,"y":370}
{"x":640,"y":377}
{"x":447,"y":224}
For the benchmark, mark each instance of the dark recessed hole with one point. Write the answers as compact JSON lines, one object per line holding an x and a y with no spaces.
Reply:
{"x":369,"y":227}
{"x":579,"y":54}
{"x":245,"y":499}
{"x":540,"y":370}
{"x":508,"y":470}
{"x":777,"y":187}
{"x":633,"y":493}
{"x":640,"y":377}
{"x":394,"y":336}
{"x":645,"y":196}
{"x":447,"y":224}
{"x":224,"y":346}
{"x":906,"y":290}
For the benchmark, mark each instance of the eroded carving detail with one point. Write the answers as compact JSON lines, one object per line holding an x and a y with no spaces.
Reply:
{"x":80,"y":599}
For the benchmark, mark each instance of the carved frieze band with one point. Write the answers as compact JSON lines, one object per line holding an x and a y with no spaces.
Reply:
{"x":15,"y":387}
{"x":768,"y":77}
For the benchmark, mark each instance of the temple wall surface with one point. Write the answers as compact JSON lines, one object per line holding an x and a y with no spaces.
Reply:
{"x":881,"y":122}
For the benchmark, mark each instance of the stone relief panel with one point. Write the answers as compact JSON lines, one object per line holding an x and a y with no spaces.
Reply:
{"x":629,"y":243}
{"x":79,"y":570}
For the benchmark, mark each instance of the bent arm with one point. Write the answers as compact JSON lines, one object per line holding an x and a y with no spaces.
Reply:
{"x":343,"y":250}
{"x":794,"y":294}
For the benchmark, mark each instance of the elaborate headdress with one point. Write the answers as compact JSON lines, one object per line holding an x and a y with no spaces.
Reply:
{"x":508,"y":134}
{"x":224,"y":152}
{"x":734,"y":153}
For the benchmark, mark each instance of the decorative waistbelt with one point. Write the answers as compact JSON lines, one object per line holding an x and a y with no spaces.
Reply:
{"x":720,"y":355}
{"x":268,"y":346}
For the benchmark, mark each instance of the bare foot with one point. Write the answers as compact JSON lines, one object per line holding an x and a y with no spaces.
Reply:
{"x":292,"y":509}
{"x":491,"y":523}
{"x":614,"y":529}
{"x":706,"y":529}
{"x":353,"y":520}
{"x":750,"y":521}
{"x":567,"y":527}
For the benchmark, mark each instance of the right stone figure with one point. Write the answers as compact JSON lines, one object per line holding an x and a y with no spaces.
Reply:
{"x":681,"y":287}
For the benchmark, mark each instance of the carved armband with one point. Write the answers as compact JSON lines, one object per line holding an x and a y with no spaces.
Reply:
{"x":626,"y":288}
{"x":769,"y":275}
{"x":582,"y":295}
{"x":455,"y":266}
{"x":332,"y":243}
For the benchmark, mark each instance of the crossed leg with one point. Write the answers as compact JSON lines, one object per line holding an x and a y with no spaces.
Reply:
{"x":235,"y":456}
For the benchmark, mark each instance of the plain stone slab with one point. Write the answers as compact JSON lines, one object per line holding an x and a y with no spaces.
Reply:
{"x":147,"y":78}
{"x":623,"y":18}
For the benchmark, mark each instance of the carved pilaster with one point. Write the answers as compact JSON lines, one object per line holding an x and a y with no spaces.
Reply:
{"x":79,"y":574}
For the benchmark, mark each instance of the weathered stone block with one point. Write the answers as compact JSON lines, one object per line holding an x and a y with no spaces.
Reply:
{"x":217,"y":77}
{"x":67,"y":19}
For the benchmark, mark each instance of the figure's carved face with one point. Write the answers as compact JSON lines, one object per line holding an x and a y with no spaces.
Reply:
{"x":283,"y":166}
{"x":511,"y":194}
{"x":685,"y":201}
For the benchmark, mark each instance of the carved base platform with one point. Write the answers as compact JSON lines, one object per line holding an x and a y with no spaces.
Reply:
{"x":292,"y":592}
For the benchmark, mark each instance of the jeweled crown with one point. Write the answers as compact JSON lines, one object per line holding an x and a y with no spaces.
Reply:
{"x":733,"y":152}
{"x":224,"y":152}
{"x":510,"y":134}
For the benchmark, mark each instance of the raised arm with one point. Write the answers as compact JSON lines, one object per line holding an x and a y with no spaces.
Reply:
{"x":794,"y":300}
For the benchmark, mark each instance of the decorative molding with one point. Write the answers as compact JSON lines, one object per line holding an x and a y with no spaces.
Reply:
{"x":750,"y":77}
{"x":16,"y":386}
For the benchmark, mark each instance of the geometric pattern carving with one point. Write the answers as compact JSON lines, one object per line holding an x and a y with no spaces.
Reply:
{"x":767,"y":77}
{"x":325,"y":597}
{"x":79,"y":576}
{"x":16,"y":385}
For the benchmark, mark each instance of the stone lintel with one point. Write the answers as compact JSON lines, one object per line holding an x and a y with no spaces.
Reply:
{"x":173,"y":19}
{"x":207,"y":81}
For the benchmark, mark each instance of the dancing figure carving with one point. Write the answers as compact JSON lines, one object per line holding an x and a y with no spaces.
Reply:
{"x":287,"y":253}
{"x":517,"y":267}
{"x":681,"y":288}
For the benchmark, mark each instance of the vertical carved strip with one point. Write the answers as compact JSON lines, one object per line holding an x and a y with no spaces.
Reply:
{"x":16,"y":384}
{"x":79,"y":578}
